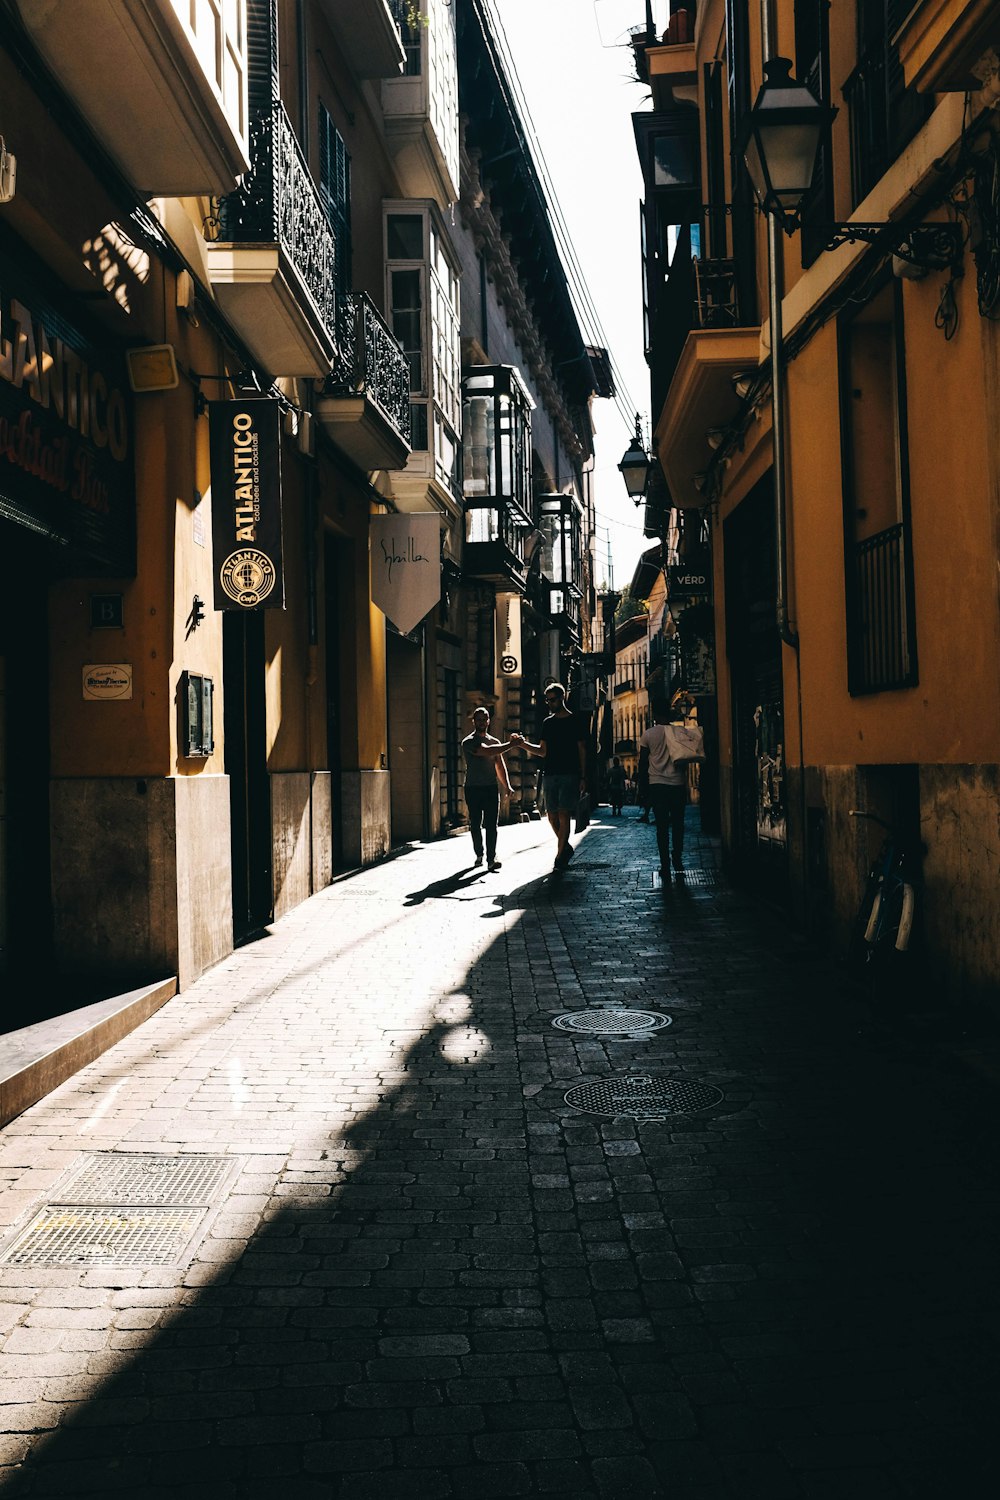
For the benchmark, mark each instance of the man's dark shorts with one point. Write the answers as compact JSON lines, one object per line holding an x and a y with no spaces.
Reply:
{"x":562,"y":793}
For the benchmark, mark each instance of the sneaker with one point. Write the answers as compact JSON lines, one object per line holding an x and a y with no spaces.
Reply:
{"x":495,"y":864}
{"x":478,"y":860}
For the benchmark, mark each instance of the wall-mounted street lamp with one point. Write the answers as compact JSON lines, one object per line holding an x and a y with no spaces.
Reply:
{"x":781,"y":140}
{"x":635,"y":465}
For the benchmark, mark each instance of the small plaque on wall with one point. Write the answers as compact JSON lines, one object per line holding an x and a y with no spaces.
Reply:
{"x":107,"y":680}
{"x":107,"y":611}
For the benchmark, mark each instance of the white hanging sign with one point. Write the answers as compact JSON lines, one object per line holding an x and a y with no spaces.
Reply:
{"x":509,"y":634}
{"x":406,"y":566}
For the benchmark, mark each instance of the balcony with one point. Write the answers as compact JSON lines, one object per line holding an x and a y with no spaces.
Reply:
{"x":367,"y":32}
{"x":365,"y":406}
{"x":272,"y":265}
{"x":941,"y":44}
{"x":626,"y":685}
{"x":494,"y":546}
{"x":163,"y":84}
{"x":564,"y":610}
{"x":420,"y":109}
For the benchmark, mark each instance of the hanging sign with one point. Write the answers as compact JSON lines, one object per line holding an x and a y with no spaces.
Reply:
{"x":691,"y":579}
{"x":406,"y":566}
{"x":509,"y":634}
{"x":245,"y":448}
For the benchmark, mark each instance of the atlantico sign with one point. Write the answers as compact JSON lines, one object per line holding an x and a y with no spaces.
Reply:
{"x":65,"y":446}
{"x":246,"y":504}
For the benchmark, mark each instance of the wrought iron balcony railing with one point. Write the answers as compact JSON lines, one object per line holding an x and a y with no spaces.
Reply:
{"x":277,"y":203}
{"x":370,"y":362}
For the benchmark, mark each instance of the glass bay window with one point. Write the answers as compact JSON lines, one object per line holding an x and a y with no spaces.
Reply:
{"x":497,"y":471}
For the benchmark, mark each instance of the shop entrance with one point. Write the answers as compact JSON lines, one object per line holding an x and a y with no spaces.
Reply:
{"x":245,"y":721}
{"x":25,"y":894}
{"x":760,"y":834}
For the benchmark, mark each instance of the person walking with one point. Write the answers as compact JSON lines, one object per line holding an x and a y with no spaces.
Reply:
{"x":665,"y":751}
{"x":616,"y":786}
{"x":485,"y":777}
{"x":563,"y":748}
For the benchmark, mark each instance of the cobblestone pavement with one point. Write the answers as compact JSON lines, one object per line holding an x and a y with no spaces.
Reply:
{"x":432,"y":1277}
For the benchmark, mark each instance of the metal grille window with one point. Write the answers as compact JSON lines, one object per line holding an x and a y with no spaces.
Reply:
{"x":881,"y":632}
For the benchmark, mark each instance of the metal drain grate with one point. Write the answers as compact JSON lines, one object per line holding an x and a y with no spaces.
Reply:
{"x":641,"y":1097}
{"x":703,"y":878}
{"x":611,"y":1022}
{"x":124,"y":1209}
{"x":64,"y":1235}
{"x":114,"y":1177}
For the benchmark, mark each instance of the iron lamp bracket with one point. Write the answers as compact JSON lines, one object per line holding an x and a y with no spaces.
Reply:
{"x":932,"y":247}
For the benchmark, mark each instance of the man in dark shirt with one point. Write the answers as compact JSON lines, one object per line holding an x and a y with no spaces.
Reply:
{"x":563,"y":748}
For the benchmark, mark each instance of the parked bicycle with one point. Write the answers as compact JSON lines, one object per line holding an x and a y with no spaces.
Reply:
{"x":884,"y":923}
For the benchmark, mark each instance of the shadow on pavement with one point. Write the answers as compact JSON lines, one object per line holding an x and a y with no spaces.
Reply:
{"x":474,"y":1290}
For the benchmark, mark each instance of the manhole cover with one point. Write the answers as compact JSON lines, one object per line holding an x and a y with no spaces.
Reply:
{"x":114,"y":1177}
{"x":64,"y":1235}
{"x":119,"y":1209}
{"x":611,"y":1022}
{"x":641,"y":1097}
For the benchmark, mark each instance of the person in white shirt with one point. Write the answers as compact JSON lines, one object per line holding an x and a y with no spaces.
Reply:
{"x":660,"y":755}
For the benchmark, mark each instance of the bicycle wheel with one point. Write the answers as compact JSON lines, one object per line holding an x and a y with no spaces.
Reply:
{"x":891,"y":922}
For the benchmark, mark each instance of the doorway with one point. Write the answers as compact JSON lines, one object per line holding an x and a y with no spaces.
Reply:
{"x":760,"y":832}
{"x":25,"y":885}
{"x":245,"y":722}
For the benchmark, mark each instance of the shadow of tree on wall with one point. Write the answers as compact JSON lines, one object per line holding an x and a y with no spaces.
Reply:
{"x":467,"y":1288}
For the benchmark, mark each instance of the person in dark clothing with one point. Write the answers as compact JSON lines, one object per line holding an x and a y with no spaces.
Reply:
{"x":616,"y":785}
{"x":485,"y":778}
{"x":563,"y":748}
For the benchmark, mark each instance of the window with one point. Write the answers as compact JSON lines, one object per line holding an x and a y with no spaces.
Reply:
{"x":423,"y":291}
{"x":884,"y":113}
{"x":812,"y":65}
{"x":881,"y":638}
{"x":335,"y":195}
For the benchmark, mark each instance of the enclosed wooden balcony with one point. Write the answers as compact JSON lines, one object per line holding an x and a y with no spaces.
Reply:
{"x":365,"y":406}
{"x":368,"y":34}
{"x":272,"y":262}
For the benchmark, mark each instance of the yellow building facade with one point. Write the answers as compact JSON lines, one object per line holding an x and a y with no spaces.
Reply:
{"x":877,"y":685}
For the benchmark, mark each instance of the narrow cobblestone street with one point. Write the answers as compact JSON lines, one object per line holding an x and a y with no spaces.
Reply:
{"x":433,"y":1277}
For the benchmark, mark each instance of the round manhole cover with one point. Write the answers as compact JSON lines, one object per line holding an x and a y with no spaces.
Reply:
{"x":641,"y":1097}
{"x":611,"y":1022}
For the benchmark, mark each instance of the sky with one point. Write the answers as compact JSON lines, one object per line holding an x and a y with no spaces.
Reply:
{"x":577,"y":75}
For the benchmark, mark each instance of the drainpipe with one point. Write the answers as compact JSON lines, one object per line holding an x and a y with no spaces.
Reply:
{"x":774,"y":278}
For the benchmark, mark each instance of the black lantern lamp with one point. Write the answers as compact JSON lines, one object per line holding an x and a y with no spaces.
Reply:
{"x":635,"y":465}
{"x":780,"y":141}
